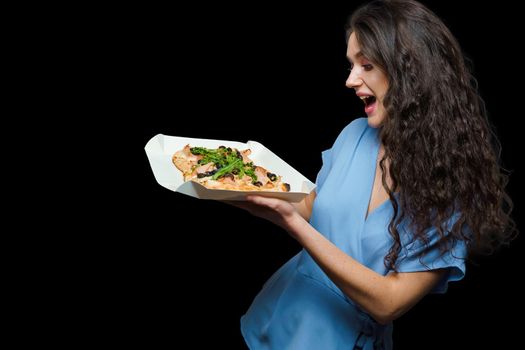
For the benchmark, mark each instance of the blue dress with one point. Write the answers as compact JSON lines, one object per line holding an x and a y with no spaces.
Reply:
{"x":299,"y":307}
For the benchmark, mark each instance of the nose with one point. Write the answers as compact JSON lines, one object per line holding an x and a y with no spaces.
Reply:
{"x":353,"y":79}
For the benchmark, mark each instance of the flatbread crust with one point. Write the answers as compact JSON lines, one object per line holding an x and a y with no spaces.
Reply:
{"x":195,"y":165}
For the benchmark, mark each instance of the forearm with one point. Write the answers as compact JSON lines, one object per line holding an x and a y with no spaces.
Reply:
{"x":373,"y":292}
{"x":383,"y":297}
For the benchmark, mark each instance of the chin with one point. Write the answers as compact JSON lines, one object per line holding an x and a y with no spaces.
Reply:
{"x":375,"y":121}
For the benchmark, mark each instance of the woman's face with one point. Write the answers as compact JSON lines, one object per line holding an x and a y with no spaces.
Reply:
{"x":368,"y":81}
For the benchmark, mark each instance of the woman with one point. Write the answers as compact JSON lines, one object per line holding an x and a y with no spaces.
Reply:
{"x":402,"y":197}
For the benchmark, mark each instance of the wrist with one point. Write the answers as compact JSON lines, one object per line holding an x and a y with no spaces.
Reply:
{"x":297,"y":227}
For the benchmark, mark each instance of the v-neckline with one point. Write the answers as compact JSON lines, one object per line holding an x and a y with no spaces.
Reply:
{"x":371,"y":185}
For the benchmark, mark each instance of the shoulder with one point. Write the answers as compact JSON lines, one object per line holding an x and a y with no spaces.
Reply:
{"x":352,"y":133}
{"x":355,"y":128}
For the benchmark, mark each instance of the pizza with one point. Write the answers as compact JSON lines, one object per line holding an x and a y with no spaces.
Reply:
{"x":226,"y":168}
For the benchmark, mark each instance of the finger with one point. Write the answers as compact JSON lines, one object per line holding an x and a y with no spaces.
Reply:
{"x":271,"y":203}
{"x":260,"y":200}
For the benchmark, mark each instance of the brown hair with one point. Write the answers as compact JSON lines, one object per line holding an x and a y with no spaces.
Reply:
{"x":444,"y":157}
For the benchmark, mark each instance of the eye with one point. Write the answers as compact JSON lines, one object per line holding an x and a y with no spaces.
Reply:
{"x":351,"y":67}
{"x":368,"y":67}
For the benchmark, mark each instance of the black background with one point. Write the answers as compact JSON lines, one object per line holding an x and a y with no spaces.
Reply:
{"x":184,"y":269}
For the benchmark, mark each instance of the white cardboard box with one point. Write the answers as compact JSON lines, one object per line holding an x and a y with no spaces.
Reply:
{"x":160,"y":150}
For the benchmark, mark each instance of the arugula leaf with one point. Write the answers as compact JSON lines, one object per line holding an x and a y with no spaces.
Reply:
{"x":226,"y":161}
{"x":227,"y":169}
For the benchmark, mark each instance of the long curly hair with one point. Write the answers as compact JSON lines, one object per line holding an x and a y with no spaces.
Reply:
{"x":442,"y":153}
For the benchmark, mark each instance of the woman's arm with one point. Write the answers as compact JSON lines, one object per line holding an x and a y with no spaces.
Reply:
{"x":304,"y":207}
{"x":384,"y":297}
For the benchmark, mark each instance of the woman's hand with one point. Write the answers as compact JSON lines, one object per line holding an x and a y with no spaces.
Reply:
{"x":277,"y":211}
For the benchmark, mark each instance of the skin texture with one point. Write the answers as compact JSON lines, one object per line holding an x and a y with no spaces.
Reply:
{"x":366,"y":78}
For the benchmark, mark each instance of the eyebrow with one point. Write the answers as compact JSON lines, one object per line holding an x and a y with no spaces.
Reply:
{"x":358,"y":55}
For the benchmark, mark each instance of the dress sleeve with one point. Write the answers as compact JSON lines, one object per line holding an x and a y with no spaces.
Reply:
{"x":346,"y":141}
{"x":453,"y":260}
{"x":325,"y":169}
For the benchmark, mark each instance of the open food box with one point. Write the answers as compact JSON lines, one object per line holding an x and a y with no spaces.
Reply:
{"x":161,"y":148}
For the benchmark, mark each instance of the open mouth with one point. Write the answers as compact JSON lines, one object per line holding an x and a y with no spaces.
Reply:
{"x":370,"y":103}
{"x":368,"y":100}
